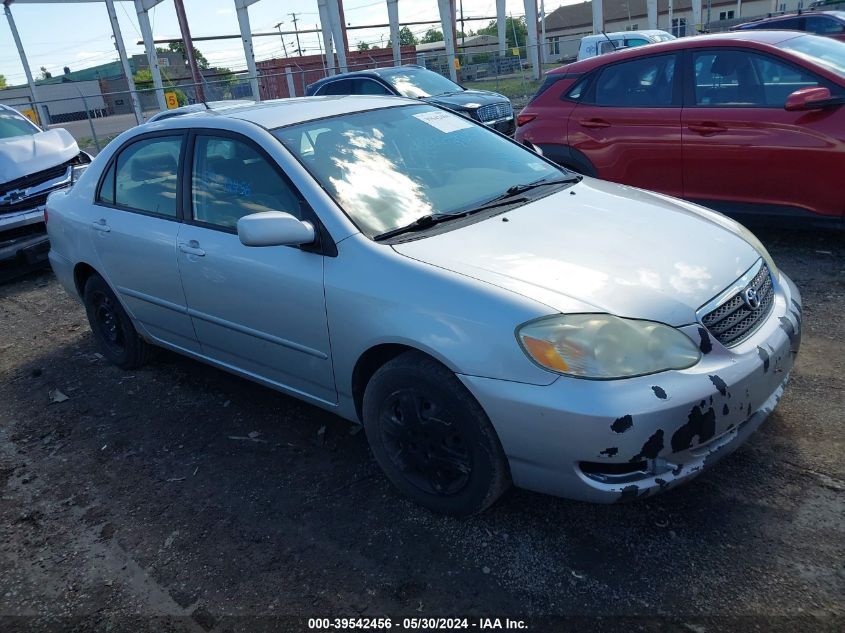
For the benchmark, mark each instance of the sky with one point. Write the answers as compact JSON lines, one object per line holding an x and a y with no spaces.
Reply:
{"x":79,"y":35}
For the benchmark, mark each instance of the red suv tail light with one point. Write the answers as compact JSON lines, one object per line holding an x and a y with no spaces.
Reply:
{"x":522,"y":119}
{"x":45,"y":215}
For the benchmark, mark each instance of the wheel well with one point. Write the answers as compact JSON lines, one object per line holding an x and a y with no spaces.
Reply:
{"x":369,"y":364}
{"x":81,"y":273}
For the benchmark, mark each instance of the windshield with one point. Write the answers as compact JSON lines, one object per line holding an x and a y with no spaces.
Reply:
{"x":13,"y":124}
{"x":824,"y":51}
{"x":418,"y":82}
{"x":388,"y":167}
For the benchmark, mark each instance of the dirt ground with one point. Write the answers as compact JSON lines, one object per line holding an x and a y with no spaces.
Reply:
{"x":180,"y":498}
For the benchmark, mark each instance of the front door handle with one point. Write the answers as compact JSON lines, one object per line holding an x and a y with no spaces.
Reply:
{"x":101,"y":225}
{"x":706,"y":128}
{"x":594,"y":123}
{"x":192,"y":248}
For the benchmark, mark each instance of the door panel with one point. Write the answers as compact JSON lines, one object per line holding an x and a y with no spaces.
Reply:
{"x":133,"y":231}
{"x":260,"y":310}
{"x":629,"y":125}
{"x":743,"y":152}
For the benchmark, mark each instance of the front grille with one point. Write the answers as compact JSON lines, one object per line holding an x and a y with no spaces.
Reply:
{"x":495,"y":111}
{"x":734,"y":321}
{"x":25,"y":199}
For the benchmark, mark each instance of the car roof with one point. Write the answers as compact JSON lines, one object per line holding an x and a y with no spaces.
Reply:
{"x":795,"y":14}
{"x":600,"y":36}
{"x":369,"y":72}
{"x":281,"y":112}
{"x":752,"y":38}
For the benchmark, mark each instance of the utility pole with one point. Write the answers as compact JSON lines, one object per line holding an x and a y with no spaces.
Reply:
{"x":296,"y":30}
{"x":189,"y":49}
{"x":463,"y":31}
{"x":282,"y":37}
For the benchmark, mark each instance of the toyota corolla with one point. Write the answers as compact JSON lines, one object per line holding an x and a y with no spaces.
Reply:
{"x":489,"y":317}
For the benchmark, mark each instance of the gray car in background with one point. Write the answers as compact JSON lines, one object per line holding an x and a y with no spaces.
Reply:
{"x":489,"y":317}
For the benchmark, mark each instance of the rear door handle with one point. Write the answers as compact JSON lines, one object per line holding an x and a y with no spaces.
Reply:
{"x":101,"y":225}
{"x":706,"y":129}
{"x":594,"y":123}
{"x":192,"y":248}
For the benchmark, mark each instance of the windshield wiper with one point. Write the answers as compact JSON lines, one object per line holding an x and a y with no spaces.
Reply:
{"x":422,"y":222}
{"x":517,"y":189}
{"x":426,"y":221}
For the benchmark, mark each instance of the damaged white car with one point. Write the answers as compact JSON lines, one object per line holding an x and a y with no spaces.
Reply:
{"x":33,"y":164}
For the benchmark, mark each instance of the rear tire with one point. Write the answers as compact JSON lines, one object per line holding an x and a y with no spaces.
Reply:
{"x":113,"y":330}
{"x":431,"y":437}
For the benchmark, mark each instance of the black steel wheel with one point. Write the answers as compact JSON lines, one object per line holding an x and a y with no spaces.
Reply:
{"x":432,"y":438}
{"x":112,"y":328}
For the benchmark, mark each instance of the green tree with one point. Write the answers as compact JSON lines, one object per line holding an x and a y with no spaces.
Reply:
{"x":511,"y":24}
{"x":406,"y":38}
{"x":45,"y":74}
{"x":363,"y":46}
{"x":432,"y":35}
{"x":2,"y":81}
{"x":179,"y":47}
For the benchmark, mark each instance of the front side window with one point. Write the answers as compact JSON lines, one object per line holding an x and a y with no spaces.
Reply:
{"x":388,"y":167}
{"x":419,"y":82}
{"x":641,"y":83}
{"x":146,"y":175}
{"x":635,"y":41}
{"x":230,"y":179}
{"x":823,"y":25}
{"x":734,"y":78}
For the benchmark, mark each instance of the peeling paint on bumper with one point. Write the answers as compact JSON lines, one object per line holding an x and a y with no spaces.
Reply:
{"x":678,"y":422}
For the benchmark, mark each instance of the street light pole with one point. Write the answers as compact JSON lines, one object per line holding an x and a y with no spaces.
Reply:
{"x":282,"y":37}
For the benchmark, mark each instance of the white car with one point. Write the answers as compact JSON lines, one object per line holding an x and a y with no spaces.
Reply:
{"x":33,"y":164}
{"x":603,"y":43}
{"x":487,"y":315}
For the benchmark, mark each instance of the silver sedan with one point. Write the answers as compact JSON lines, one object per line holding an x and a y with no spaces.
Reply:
{"x":490,"y":318}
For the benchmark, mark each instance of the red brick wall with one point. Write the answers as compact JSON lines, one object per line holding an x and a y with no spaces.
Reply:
{"x":309,"y":68}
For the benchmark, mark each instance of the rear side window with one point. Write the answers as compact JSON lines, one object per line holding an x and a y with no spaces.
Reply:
{"x":640,"y":83}
{"x":106,"y":194}
{"x":369,"y":87}
{"x":146,"y":175}
{"x":339,"y":87}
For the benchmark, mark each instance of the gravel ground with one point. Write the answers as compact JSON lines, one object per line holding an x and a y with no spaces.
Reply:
{"x":180,"y":498}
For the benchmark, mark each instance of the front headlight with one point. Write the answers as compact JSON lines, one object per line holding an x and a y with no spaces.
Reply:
{"x":76,"y":171}
{"x":604,"y":346}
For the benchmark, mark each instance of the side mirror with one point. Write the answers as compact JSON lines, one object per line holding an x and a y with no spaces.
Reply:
{"x":274,"y":228}
{"x":809,"y":99}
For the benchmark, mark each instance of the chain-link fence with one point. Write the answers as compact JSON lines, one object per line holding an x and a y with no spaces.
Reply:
{"x":96,"y":111}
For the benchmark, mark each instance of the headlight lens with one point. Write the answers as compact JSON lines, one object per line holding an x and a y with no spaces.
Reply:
{"x":604,"y":346}
{"x":77,"y":171}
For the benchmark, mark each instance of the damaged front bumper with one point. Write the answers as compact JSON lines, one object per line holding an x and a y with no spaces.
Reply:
{"x":23,"y":236}
{"x":606,"y":441}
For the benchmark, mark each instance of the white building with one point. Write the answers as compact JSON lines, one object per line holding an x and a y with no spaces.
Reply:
{"x":568,"y":24}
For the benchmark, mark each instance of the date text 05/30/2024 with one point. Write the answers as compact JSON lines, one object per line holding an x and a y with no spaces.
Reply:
{"x":414,"y":624}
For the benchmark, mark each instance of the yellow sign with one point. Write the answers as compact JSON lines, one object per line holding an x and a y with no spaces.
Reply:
{"x":457,"y":64}
{"x":172,"y":101}
{"x":515,"y":51}
{"x":30,"y":114}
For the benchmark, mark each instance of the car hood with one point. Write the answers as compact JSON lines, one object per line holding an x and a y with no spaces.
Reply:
{"x":24,"y":155}
{"x":599,"y":247}
{"x":467,"y":97}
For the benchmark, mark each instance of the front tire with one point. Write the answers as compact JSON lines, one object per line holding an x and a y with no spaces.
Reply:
{"x":431,"y":437}
{"x":116,"y":336}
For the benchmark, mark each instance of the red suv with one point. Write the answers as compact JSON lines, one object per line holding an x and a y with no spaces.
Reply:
{"x":745,"y":123}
